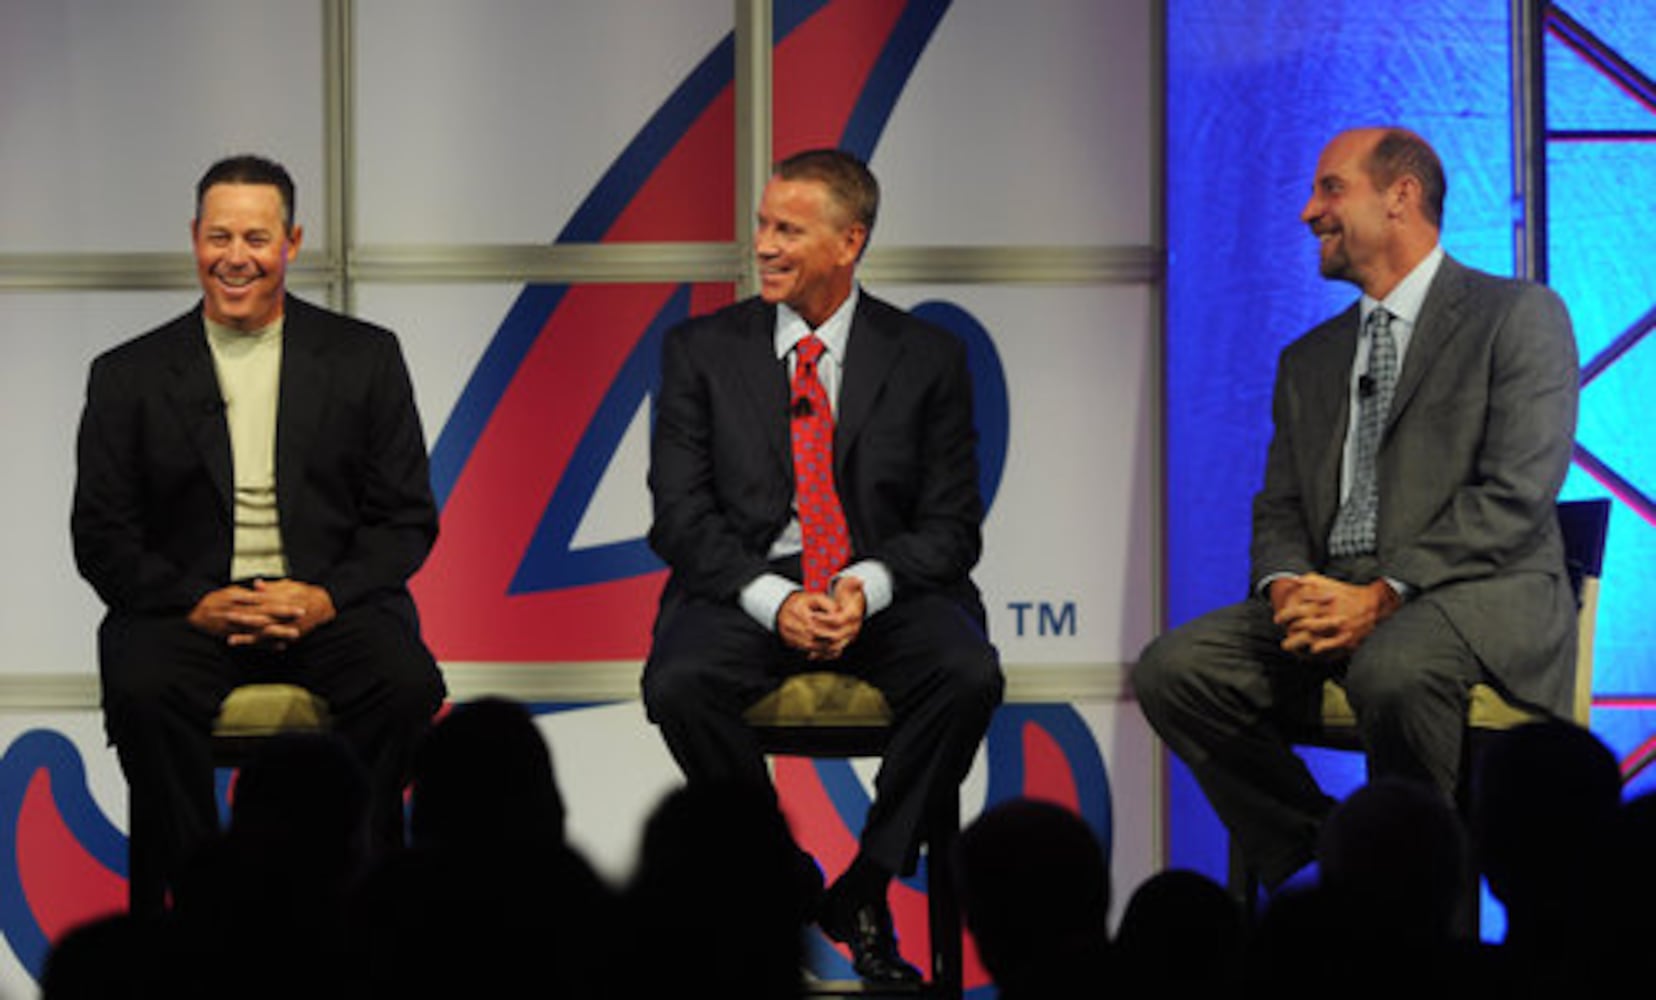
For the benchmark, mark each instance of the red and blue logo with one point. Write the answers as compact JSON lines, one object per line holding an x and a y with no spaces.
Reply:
{"x":62,"y":860}
{"x":521,"y":458}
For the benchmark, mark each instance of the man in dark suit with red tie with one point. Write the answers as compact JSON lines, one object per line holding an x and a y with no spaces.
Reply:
{"x":743,"y":516}
{"x":251,"y":498}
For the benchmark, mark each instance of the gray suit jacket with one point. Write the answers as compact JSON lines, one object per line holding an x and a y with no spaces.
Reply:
{"x":1474,"y":451}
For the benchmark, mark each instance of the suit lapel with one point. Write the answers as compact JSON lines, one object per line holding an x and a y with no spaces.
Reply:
{"x":870,"y":352}
{"x":766,"y":381}
{"x":301,"y":399}
{"x":1328,"y":407}
{"x":1435,"y":327}
{"x":193,"y":390}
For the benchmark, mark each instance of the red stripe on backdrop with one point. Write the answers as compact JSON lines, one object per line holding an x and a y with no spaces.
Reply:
{"x":820,"y":70}
{"x":692,"y":194}
{"x":1047,"y":772}
{"x":497,"y":502}
{"x":514,"y":469}
{"x":65,"y":886}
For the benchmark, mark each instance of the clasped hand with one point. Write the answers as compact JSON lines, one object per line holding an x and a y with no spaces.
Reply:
{"x":270,"y":612}
{"x":823,"y":625}
{"x":1324,"y":617}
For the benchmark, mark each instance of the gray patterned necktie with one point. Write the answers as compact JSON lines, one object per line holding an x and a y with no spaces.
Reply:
{"x":1354,"y":526}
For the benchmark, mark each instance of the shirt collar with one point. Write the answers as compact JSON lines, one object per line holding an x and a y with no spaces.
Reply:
{"x":222,"y":334}
{"x":1405,"y":300}
{"x":835,"y":331}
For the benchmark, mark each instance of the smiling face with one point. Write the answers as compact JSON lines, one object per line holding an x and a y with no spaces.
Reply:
{"x":1351,"y":218}
{"x":242,"y":250}
{"x":806,"y":247}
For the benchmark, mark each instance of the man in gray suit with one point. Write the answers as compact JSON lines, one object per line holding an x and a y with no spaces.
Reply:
{"x":1405,"y":540}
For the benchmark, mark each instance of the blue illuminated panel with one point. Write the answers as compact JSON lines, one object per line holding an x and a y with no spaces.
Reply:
{"x":1254,"y":90}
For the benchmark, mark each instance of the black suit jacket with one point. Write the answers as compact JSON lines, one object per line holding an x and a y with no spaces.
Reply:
{"x":905,"y":453}
{"x":152,"y":516}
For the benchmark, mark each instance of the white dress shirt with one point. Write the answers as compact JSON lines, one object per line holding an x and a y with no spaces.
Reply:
{"x":763,"y":597}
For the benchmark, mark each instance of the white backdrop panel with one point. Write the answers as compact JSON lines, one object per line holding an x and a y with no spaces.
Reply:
{"x":110,"y":110}
{"x":444,"y":330}
{"x":487,"y":121}
{"x":47,"y":613}
{"x":1026,"y":123}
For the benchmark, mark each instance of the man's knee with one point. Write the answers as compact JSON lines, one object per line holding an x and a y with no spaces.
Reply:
{"x":416,"y":695}
{"x":975,"y":678}
{"x":153,"y":669}
{"x":1164,"y":667}
{"x":673,"y":685}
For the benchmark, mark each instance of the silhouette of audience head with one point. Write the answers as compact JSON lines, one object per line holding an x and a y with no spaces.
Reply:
{"x":1395,"y":853}
{"x":489,"y":896}
{"x":716,"y":889}
{"x":120,"y":955}
{"x":1182,"y":934}
{"x":1035,"y":889}
{"x":1382,"y":918}
{"x":304,"y":797}
{"x":1544,"y":805}
{"x":483,"y":774}
{"x":1636,"y":855}
{"x":270,"y":894}
{"x":1547,"y":817}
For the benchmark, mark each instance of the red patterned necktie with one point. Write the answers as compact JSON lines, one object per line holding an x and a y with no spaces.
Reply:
{"x":827,"y":545}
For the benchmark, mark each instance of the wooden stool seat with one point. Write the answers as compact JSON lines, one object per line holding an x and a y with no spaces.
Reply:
{"x":1488,"y":710}
{"x":253,"y":713}
{"x":821,"y":699}
{"x":268,"y":709}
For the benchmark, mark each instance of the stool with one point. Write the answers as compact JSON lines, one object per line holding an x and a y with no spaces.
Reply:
{"x":248,"y":716}
{"x":829,"y":715}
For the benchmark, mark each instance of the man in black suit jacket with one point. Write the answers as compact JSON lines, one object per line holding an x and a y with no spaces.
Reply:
{"x":252,"y":496}
{"x":901,"y":611}
{"x":1459,"y":577}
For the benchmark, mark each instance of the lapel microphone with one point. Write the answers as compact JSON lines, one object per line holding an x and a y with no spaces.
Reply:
{"x":1365,"y":386}
{"x":801,"y":407}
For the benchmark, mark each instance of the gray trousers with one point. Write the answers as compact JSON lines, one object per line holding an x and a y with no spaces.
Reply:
{"x":1223,"y":695}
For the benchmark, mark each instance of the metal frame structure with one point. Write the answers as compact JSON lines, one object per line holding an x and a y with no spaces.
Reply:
{"x":339,"y":264}
{"x":1534,"y":22}
{"x":344,"y":263}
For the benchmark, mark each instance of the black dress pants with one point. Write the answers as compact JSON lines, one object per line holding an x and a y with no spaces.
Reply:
{"x":930,"y":658}
{"x":162,"y":685}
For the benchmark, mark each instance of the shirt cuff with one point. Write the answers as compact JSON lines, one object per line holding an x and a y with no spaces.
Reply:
{"x":762,"y":598}
{"x":878,"y":590}
{"x":1263,"y":587}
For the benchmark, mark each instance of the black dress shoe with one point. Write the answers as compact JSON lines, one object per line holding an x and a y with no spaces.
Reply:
{"x":865,"y":926}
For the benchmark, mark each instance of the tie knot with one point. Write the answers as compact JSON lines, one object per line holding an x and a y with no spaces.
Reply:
{"x":810,"y":349}
{"x":1379,"y":321}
